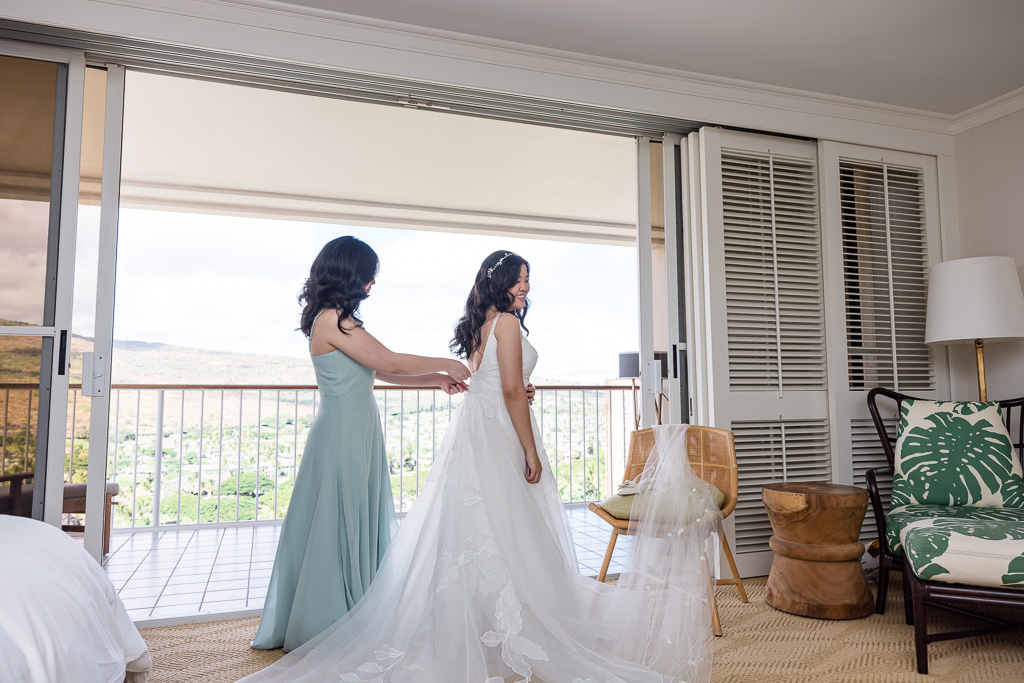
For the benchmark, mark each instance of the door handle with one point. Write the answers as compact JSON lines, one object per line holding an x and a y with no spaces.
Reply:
{"x":62,"y":362}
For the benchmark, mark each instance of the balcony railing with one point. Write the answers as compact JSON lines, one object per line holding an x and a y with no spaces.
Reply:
{"x":225,"y":454}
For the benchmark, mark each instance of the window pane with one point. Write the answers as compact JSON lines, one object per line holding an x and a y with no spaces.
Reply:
{"x":19,"y":412}
{"x":28,"y":90}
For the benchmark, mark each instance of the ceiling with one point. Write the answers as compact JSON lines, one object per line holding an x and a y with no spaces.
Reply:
{"x":941,"y":56}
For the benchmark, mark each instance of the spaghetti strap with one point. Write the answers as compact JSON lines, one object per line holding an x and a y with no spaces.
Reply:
{"x":494,"y":325}
{"x":309,"y":344}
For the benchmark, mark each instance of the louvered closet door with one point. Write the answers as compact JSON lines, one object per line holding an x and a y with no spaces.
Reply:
{"x":881,"y":210}
{"x":765,"y":314}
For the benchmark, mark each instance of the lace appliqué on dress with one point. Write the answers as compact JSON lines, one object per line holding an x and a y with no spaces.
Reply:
{"x":387,"y":659}
{"x":514,"y":648}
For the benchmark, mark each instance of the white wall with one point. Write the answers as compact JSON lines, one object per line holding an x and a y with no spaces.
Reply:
{"x":990,"y":189}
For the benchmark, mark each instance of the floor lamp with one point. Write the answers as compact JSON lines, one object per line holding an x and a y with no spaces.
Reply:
{"x":974,"y":300}
{"x":629,"y":368}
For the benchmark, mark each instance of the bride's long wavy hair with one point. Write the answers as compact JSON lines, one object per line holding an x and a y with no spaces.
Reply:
{"x":338,"y":279}
{"x":497,"y":274}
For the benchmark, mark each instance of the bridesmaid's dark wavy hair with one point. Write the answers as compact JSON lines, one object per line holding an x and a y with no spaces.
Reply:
{"x":497,"y":274}
{"x":337,"y":280}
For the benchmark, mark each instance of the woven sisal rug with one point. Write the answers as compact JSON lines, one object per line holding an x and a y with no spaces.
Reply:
{"x":760,"y":644}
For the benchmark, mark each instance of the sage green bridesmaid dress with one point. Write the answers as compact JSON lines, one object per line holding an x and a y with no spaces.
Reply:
{"x":341,"y":516}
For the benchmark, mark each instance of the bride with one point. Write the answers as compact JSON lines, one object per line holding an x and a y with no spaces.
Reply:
{"x":480,"y":584}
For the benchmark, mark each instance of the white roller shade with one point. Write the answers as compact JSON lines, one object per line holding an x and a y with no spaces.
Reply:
{"x":193,"y":145}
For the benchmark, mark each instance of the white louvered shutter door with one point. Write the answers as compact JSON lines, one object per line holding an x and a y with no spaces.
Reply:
{"x":765,"y":319}
{"x":882,"y":211}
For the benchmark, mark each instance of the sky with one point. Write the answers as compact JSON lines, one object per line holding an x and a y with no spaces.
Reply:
{"x":230,"y":283}
{"x":24,"y":227}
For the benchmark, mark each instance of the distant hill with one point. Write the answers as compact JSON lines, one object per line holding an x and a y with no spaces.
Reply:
{"x":149,"y":363}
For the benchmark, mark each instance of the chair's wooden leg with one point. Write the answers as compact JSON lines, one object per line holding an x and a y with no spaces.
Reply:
{"x":735,"y":581}
{"x":106,"y":525}
{"x":883,"y":587}
{"x":916,"y":599}
{"x":908,"y":606}
{"x":732,"y":567}
{"x":716,"y":623}
{"x":608,"y":556}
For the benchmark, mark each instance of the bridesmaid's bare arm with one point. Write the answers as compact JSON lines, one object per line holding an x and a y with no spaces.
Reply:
{"x":363,"y":348}
{"x":436,"y":379}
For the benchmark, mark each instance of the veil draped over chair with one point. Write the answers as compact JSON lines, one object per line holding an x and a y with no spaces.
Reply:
{"x":480,"y":584}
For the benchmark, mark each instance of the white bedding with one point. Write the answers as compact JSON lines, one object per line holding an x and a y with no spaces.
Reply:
{"x":60,"y":617}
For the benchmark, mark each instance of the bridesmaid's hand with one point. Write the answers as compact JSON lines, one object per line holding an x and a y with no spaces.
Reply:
{"x":533,"y":468}
{"x":531,"y":391}
{"x":458,"y":371}
{"x":450,"y":386}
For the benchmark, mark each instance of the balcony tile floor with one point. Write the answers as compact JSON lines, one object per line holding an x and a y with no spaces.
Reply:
{"x":173,"y":573}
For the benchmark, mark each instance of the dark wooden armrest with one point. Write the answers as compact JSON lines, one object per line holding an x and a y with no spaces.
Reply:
{"x":16,"y":482}
{"x":876,"y":504}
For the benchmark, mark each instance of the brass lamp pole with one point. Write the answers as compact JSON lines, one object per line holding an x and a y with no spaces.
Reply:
{"x":979,"y":347}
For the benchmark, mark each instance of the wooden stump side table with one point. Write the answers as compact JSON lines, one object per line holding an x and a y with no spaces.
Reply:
{"x":816,"y":571}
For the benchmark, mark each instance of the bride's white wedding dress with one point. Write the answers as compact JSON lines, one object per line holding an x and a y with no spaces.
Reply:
{"x":480,"y":585}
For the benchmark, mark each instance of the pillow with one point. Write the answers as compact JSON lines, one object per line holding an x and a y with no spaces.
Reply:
{"x":955,"y":453}
{"x":621,"y":507}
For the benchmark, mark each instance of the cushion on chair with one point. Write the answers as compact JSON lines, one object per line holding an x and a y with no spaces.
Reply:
{"x":974,"y":552}
{"x":955,"y":453}
{"x":900,"y":518}
{"x":621,"y":507}
{"x":78,"y":490}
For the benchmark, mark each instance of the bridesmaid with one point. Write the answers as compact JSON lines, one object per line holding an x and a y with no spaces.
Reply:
{"x":341,"y":514}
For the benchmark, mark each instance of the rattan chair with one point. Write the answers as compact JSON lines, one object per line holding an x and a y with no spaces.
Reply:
{"x":712,"y":455}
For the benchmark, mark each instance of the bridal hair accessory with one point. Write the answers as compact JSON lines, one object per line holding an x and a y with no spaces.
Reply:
{"x":492,"y":268}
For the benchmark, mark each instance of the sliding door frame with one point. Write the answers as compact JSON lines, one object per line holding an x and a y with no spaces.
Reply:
{"x":99,"y":365}
{"x":52,"y":416}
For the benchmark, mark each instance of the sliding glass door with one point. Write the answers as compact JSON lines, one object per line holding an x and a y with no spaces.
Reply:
{"x":39,"y":142}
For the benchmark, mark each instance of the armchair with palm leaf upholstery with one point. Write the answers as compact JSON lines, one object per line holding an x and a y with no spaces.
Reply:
{"x":955,"y":524}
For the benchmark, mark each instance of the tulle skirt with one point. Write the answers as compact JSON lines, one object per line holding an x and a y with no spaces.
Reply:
{"x":480,"y":583}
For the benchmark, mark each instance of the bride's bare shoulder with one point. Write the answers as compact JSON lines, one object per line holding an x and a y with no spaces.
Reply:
{"x":507,"y":324}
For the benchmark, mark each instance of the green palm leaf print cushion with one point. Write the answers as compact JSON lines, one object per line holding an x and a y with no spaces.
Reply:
{"x":955,"y":453}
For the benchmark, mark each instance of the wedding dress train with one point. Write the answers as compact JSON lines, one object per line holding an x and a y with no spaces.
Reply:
{"x":480,"y":584}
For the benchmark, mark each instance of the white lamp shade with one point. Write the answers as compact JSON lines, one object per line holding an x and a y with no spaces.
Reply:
{"x":974,"y":298}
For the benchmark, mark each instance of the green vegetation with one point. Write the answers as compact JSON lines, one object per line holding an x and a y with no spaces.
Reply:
{"x":217,"y":445}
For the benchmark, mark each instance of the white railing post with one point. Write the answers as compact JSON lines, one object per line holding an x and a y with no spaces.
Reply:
{"x":158,"y":456}
{"x":572,"y":433}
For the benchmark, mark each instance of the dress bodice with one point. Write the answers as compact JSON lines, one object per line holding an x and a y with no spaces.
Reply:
{"x":340,"y":375}
{"x":487,"y":376}
{"x":337,"y":374}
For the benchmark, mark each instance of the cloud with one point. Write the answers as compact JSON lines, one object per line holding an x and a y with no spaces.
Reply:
{"x":24,"y":231}
{"x":230,"y":283}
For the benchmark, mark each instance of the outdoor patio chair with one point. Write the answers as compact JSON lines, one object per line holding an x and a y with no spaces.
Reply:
{"x":956,"y":524}
{"x":16,"y":499}
{"x":712,"y":455}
